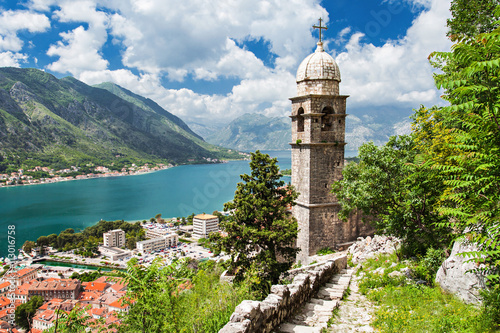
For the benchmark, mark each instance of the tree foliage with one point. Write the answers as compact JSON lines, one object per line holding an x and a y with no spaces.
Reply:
{"x":471,"y":17}
{"x":77,"y":321}
{"x":472,"y":171}
{"x":25,"y":312}
{"x":260,"y":228}
{"x":178,"y":298}
{"x":391,"y":185}
{"x":28,"y":246}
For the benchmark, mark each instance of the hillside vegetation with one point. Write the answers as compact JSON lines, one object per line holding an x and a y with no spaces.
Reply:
{"x":63,"y":122}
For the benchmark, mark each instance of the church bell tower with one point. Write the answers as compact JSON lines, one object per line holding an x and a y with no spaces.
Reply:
{"x":318,"y":140}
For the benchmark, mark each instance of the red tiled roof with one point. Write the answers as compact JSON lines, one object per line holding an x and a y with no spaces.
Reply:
{"x":4,"y":284}
{"x":59,"y":284}
{"x":4,"y":301}
{"x":23,"y":289}
{"x":120,"y":304}
{"x":4,"y":314}
{"x":46,"y":316}
{"x":89,"y":295}
{"x":52,"y":303}
{"x":96,"y":286}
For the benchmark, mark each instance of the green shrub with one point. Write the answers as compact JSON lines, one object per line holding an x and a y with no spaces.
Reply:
{"x":428,"y":266}
{"x":325,"y":251}
{"x":491,"y":304}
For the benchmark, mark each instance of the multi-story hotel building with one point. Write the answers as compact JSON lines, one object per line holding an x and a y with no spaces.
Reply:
{"x":155,"y":244}
{"x":114,"y":238}
{"x":204,"y":224}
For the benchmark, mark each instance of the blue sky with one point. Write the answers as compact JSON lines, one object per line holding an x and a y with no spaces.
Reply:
{"x":211,"y":61}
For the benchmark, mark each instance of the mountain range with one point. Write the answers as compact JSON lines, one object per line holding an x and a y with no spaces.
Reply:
{"x":256,"y":131}
{"x":250,"y":132}
{"x":66,"y":121}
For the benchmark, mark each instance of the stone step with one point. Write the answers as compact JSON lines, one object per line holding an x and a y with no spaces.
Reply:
{"x":331,"y":294}
{"x":317,"y":308}
{"x":332,"y":304}
{"x":293,"y":328}
{"x":334,"y":286}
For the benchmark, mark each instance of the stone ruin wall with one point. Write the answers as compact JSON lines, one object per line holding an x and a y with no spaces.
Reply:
{"x":284,"y":300}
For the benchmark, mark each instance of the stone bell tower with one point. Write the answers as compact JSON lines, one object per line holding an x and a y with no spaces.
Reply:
{"x":318,"y":140}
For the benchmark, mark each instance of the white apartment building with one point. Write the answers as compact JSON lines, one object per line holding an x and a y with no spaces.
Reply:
{"x":114,"y":238}
{"x":155,"y":244}
{"x":156,"y":233}
{"x":203,"y":224}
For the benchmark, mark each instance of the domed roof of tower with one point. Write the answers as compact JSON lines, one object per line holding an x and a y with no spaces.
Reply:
{"x":318,"y":66}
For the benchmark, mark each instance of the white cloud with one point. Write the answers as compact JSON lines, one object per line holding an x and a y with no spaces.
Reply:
{"x":418,"y":96}
{"x":9,"y":59}
{"x":397,"y":71}
{"x":200,"y":39}
{"x":160,"y":35}
{"x":79,"y":50}
{"x":11,"y":22}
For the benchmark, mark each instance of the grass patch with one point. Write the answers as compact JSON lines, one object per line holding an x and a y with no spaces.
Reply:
{"x":404,"y":306}
{"x":425,"y":309}
{"x":324,"y":251}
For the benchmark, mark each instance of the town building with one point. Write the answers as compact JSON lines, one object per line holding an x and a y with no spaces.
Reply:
{"x":114,"y":238}
{"x":4,"y":303}
{"x":156,"y":244}
{"x":21,"y":276}
{"x":204,"y":224}
{"x":63,"y":289}
{"x":4,"y":288}
{"x":21,"y":292}
{"x":44,"y":320}
{"x":156,"y":233}
{"x":318,"y":140}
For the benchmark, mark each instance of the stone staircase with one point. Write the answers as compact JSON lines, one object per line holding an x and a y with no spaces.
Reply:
{"x":314,"y":315}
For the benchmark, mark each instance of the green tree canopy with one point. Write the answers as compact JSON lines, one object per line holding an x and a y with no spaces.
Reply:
{"x":471,"y":18}
{"x":260,"y":227}
{"x":25,"y":312}
{"x":397,"y":191}
{"x":43,"y":241}
{"x":471,"y":172}
{"x":28,"y":246}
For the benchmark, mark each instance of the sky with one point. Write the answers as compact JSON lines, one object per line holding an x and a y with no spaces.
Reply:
{"x":212,"y":61}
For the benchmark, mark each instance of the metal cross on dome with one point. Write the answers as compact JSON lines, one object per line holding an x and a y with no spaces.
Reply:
{"x":320,"y":28}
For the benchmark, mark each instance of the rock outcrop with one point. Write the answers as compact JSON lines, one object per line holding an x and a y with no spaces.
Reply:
{"x":370,"y":247}
{"x":455,"y":275}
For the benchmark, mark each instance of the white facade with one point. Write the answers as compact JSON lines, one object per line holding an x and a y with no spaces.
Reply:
{"x":156,"y":244}
{"x":204,"y":224}
{"x":114,"y":238}
{"x":156,"y":233}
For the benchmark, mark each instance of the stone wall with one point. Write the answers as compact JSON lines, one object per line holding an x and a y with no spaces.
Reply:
{"x":284,"y":300}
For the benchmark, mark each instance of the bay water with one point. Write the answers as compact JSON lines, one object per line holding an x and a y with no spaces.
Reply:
{"x":44,"y":209}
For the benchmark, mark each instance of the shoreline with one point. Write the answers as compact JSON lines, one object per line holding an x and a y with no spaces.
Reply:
{"x":119,"y":174}
{"x":37,"y":260}
{"x":55,"y":180}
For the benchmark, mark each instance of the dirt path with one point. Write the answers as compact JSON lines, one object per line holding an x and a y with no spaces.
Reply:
{"x":355,"y":312}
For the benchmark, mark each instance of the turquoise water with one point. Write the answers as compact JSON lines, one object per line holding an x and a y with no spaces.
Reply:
{"x":50,"y":208}
{"x":63,"y":264}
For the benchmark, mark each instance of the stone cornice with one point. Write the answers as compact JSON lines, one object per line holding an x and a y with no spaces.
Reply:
{"x":326,"y":204}
{"x":310,"y":96}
